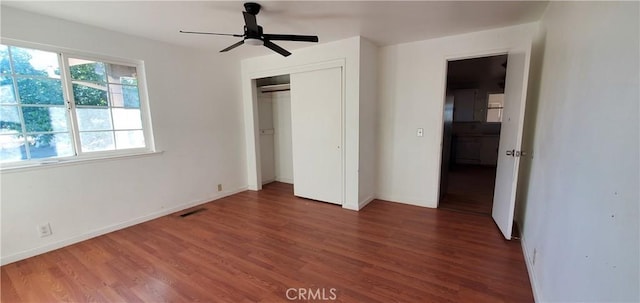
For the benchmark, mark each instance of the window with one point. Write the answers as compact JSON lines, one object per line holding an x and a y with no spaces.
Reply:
{"x":59,"y":105}
{"x":494,"y":108}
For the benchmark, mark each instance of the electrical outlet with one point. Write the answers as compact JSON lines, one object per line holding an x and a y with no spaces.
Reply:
{"x":44,"y":230}
{"x":219,"y":187}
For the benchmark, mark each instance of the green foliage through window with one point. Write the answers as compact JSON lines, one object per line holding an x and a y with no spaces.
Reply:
{"x":34,"y":119}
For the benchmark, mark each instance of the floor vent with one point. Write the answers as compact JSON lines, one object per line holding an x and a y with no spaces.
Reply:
{"x":192,"y":212}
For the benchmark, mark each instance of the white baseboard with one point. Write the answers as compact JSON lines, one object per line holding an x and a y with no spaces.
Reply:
{"x":111,"y":228}
{"x":284,"y":180}
{"x":365,"y":201}
{"x":405,"y":200}
{"x":267,"y":181}
{"x":537,"y":295}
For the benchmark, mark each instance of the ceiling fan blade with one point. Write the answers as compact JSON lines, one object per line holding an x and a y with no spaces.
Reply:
{"x":207,"y":33}
{"x":300,"y":38}
{"x":250,"y":21}
{"x":241,"y":42}
{"x":276,"y":48}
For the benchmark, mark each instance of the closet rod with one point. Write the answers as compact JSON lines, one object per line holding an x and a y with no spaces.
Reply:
{"x":275,"y":88}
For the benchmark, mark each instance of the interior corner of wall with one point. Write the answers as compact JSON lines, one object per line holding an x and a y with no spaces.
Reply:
{"x":364,"y":202}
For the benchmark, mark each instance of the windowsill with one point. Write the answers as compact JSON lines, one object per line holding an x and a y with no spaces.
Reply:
{"x":66,"y":162}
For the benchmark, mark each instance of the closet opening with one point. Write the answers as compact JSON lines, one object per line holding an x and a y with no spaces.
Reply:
{"x":274,"y":120}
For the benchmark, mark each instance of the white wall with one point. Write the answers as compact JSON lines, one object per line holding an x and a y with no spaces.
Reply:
{"x":580,"y":209}
{"x":411,"y":96}
{"x":283,"y":142}
{"x":368,"y":127}
{"x":197,"y":122}
{"x":346,"y":51}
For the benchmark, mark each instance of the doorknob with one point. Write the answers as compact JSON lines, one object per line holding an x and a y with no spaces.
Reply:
{"x":516,"y":153}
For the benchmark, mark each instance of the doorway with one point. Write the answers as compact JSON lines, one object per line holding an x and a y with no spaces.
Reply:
{"x":471,"y":134}
{"x":274,"y":121}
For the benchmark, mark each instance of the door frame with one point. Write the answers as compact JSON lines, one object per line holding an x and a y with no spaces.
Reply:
{"x":446,"y":59}
{"x":488,"y":53}
{"x":252,"y":131}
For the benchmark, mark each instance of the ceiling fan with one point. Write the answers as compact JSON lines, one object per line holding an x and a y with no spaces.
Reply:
{"x":253,"y":34}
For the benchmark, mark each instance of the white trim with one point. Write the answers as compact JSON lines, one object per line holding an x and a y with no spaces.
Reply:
{"x":57,"y":162}
{"x":404,"y":200}
{"x":284,"y":180}
{"x":4,"y":260}
{"x":298,"y":68}
{"x":67,"y":91}
{"x":528,"y":260}
{"x":364,"y":202}
{"x":445,"y":62}
{"x":268,"y":181}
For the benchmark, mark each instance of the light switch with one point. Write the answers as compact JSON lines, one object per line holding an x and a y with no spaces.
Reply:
{"x":420,"y":132}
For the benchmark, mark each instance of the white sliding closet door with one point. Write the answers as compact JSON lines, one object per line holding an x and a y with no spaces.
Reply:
{"x":316,"y":126}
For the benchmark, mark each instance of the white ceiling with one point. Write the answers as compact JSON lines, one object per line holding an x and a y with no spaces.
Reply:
{"x":383,"y":22}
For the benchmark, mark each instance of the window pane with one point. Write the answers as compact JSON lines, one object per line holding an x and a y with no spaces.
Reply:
{"x":7,"y":94}
{"x":12,"y":148}
{"x":45,"y":119}
{"x":129,"y":139}
{"x":85,"y":93}
{"x":10,"y":118}
{"x":494,"y":115}
{"x":35,"y":121}
{"x":93,"y":119}
{"x":126,"y":118}
{"x":5,"y":66}
{"x":495,"y":100}
{"x":50,"y":145}
{"x":35,"y":62}
{"x":87,"y":70}
{"x":122,"y":74}
{"x":40,"y":91}
{"x":96,"y":141}
{"x":124,"y":96}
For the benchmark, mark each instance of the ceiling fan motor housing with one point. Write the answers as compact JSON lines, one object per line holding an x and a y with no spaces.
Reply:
{"x":253,"y":34}
{"x":252,"y":8}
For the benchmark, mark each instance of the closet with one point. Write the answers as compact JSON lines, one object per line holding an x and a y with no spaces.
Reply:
{"x":274,"y":116}
{"x":300,"y":120}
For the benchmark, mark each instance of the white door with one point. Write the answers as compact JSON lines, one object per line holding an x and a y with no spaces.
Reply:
{"x":267,"y":149}
{"x":316,"y":129}
{"x":504,"y":198}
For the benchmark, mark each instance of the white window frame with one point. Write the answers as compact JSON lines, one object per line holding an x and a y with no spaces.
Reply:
{"x":499,"y":108}
{"x":67,"y":90}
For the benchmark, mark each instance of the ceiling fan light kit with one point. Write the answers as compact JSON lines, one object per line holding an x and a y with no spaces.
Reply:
{"x":253,"y":34}
{"x":253,"y":41}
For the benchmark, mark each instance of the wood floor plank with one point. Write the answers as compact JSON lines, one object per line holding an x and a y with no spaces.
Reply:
{"x":257,"y":246}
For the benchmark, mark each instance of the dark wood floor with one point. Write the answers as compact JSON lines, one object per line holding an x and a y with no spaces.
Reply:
{"x":253,"y":246}
{"x":470,"y":189}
